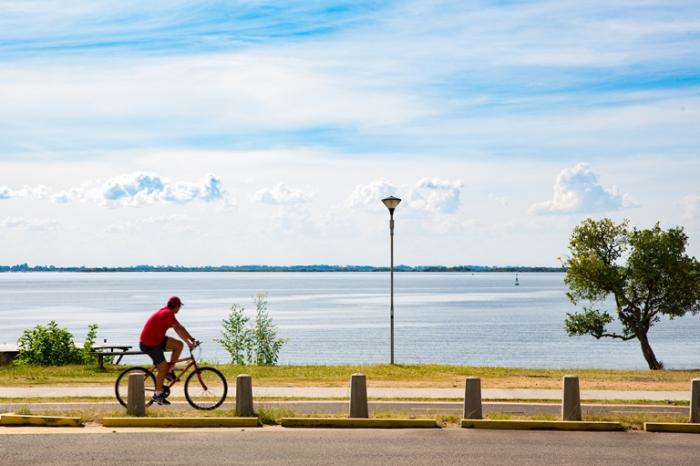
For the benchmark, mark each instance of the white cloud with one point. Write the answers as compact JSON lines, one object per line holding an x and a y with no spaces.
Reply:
{"x":691,"y":207}
{"x":577,"y":190}
{"x":435,"y":195}
{"x":26,"y":192}
{"x":427,"y":194}
{"x":137,"y":189}
{"x":281,"y":194}
{"x":21,"y":223}
{"x":371,"y":195}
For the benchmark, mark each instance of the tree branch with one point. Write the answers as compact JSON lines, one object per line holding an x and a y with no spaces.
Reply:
{"x":615,"y":335}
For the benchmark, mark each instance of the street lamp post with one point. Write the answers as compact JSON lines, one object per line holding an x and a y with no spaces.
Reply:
{"x":391,"y":202}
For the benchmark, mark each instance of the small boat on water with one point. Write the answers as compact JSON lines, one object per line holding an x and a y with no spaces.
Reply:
{"x":517,"y":283}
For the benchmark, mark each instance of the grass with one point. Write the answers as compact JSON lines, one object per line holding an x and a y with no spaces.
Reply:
{"x":382,"y":375}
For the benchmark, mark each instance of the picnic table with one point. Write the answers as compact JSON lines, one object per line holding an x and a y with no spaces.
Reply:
{"x":111,"y":351}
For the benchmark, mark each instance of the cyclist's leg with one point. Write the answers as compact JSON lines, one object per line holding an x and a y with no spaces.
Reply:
{"x":160,"y":375}
{"x":156,"y":354}
{"x":174,"y":346}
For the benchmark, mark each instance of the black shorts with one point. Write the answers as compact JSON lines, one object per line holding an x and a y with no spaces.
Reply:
{"x":155,"y":352}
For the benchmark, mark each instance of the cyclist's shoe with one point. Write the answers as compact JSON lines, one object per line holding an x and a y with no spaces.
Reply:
{"x":160,"y":399}
{"x":170,"y":376}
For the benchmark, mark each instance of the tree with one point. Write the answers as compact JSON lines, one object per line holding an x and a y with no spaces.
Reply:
{"x":646,"y":271}
{"x":236,"y":337}
{"x":266,"y":344}
{"x":50,"y":345}
{"x":258,"y":344}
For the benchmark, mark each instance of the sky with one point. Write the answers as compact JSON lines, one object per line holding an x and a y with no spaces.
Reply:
{"x":252,"y":132}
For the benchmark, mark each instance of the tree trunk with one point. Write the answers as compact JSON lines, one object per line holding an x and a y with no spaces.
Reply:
{"x":648,"y":352}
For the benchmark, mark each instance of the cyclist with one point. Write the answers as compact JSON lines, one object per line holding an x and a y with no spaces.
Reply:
{"x":154,"y":343}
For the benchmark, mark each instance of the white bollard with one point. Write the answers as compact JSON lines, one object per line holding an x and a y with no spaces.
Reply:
{"x":136,"y":396}
{"x":358,"y":396}
{"x":244,"y":395}
{"x":472,"y":398}
{"x":695,"y":400}
{"x":571,"y":399}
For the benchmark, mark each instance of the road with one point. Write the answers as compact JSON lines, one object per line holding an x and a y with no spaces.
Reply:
{"x":275,"y":445}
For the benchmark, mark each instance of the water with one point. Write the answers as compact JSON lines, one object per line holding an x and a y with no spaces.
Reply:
{"x":343,"y":318}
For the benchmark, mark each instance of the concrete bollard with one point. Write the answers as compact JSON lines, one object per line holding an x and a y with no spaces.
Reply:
{"x":472,"y":398}
{"x":695,"y":400}
{"x":571,"y":399}
{"x":244,"y":395}
{"x":358,"y":396}
{"x":136,"y":396}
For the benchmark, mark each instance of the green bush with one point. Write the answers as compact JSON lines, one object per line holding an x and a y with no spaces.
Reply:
{"x":251,"y":345}
{"x":49,"y":345}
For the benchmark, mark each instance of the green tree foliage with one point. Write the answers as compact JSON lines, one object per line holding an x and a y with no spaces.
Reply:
{"x":646,"y":271}
{"x":258,"y":344}
{"x":236,"y":337}
{"x":266,"y":343}
{"x":49,"y":345}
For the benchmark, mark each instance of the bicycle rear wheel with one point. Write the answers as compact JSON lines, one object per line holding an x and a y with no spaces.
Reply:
{"x":206,"y":388}
{"x":121,"y":386}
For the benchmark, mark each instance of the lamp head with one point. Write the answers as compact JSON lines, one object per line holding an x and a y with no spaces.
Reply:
{"x":391,"y":202}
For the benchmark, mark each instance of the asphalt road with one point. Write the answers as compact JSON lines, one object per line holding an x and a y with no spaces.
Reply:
{"x":356,"y":447}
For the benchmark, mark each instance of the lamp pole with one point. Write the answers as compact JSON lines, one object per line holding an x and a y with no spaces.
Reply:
{"x":391,"y":202}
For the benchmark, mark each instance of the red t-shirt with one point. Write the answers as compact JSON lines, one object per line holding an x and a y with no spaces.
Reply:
{"x":156,"y":326}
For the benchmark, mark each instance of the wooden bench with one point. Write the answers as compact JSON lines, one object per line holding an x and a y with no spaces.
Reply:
{"x":117,"y":351}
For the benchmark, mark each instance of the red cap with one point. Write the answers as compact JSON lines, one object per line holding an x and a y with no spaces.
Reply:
{"x":174,"y":301}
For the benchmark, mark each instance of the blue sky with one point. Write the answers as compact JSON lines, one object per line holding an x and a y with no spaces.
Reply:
{"x":502,"y":124}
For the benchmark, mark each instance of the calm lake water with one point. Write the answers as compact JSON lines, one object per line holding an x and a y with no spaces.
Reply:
{"x":343,"y":318}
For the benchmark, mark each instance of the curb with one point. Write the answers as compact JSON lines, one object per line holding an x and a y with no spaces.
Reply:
{"x":541,"y":425}
{"x":359,"y":423}
{"x":180,"y":422}
{"x":39,"y":421}
{"x":679,"y":427}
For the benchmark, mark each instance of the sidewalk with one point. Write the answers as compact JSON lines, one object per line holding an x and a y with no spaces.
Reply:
{"x":49,"y":391}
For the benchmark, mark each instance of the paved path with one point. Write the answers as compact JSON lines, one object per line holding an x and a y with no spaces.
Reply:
{"x":275,"y":445}
{"x":418,"y":408}
{"x":49,"y":391}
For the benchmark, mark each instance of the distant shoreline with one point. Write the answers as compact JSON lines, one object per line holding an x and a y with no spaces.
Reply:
{"x":25,"y":268}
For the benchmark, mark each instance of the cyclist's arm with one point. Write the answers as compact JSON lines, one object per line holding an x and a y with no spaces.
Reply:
{"x":184,"y":334}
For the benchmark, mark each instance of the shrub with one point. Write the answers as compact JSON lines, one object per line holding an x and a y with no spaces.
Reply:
{"x":236,"y":337}
{"x":251,"y":345}
{"x":49,"y":345}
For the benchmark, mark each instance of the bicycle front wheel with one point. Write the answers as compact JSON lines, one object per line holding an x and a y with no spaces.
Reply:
{"x":121,"y":387}
{"x":206,"y":388}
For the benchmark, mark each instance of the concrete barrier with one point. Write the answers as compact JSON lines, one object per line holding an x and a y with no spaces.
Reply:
{"x":540,"y":425}
{"x":571,"y":399}
{"x":136,"y":401}
{"x":244,"y":396}
{"x":472,"y":398}
{"x":358,"y":397}
{"x":39,"y":421}
{"x":358,"y":423}
{"x":694,"y":400}
{"x":180,"y":422}
{"x":676,"y":427}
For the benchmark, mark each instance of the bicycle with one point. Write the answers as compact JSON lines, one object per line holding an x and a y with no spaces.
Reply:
{"x":205,"y":387}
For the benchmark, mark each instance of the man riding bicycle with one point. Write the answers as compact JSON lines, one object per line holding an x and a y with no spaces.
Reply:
{"x":154,"y":343}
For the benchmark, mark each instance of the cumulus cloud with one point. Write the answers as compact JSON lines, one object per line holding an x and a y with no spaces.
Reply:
{"x":691,"y":207}
{"x":21,"y":223}
{"x":428,"y":194}
{"x":577,"y":190}
{"x":281,"y":194}
{"x":26,"y":192}
{"x":137,"y":189}
{"x":435,"y":195}
{"x":370,"y":195}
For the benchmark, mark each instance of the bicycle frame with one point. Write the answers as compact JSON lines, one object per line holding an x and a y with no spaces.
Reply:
{"x":192,"y":362}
